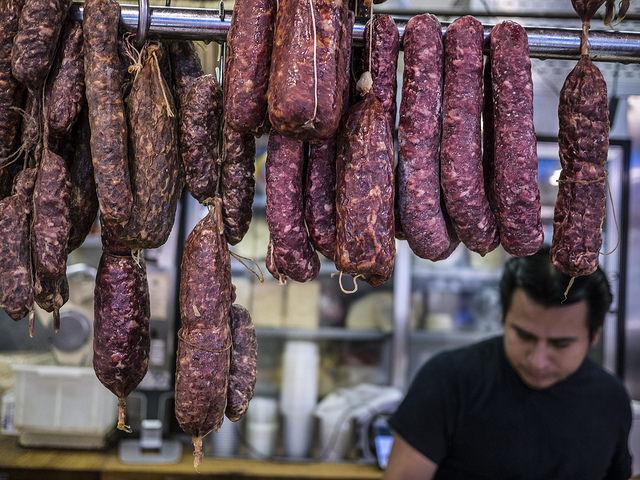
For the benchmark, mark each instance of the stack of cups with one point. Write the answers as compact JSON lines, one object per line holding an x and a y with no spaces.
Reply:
{"x":298,"y":396}
{"x":224,"y":442}
{"x":262,"y":427}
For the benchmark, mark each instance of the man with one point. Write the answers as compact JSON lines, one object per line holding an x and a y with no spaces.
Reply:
{"x":525,"y":405}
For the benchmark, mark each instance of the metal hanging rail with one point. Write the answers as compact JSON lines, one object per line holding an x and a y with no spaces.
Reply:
{"x":208,"y":24}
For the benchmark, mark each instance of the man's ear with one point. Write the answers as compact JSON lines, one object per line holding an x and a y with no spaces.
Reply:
{"x":596,"y":337}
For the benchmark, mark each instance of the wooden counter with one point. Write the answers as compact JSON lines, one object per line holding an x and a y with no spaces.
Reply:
{"x":18,"y":463}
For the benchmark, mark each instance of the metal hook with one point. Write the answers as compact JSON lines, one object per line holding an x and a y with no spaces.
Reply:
{"x":221,"y":11}
{"x":144,"y":21}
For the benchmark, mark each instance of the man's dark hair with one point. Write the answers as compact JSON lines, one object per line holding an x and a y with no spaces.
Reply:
{"x":539,"y":279}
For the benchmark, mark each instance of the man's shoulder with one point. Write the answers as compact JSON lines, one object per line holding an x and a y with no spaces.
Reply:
{"x":604,"y":384}
{"x":470,"y":360}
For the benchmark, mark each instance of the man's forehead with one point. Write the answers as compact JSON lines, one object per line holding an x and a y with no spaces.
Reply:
{"x":558,"y":321}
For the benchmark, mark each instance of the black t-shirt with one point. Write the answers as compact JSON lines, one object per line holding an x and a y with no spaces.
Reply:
{"x":468,"y":411}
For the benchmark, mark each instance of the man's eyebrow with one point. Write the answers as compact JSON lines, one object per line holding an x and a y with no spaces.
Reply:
{"x":522,"y":331}
{"x":562,"y":339}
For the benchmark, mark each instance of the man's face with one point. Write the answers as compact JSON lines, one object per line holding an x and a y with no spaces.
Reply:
{"x":545,"y":344}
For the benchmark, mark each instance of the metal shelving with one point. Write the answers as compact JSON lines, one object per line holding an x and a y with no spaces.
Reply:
{"x":324,"y":333}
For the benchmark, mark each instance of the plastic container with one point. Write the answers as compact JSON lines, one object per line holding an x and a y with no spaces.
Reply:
{"x":297,"y":433}
{"x":299,"y":389}
{"x":65,"y":407}
{"x":261,"y":439}
{"x":224,"y":442}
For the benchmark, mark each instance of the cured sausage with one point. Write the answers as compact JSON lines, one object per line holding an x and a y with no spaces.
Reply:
{"x":250,"y":41}
{"x":238,"y":184}
{"x":365,"y":245}
{"x":106,"y":109}
{"x":65,"y":92}
{"x":292,"y":251}
{"x":306,"y":84}
{"x":35,"y":43}
{"x":121,"y":327}
{"x":83,"y":201}
{"x":320,"y":197}
{"x":155,"y":167}
{"x":185,"y":66}
{"x":384,"y":42}
{"x":199,"y":137}
{"x":461,"y":170}
{"x":242,"y":373}
{"x":16,"y":286}
{"x":204,"y":339}
{"x":11,"y":92}
{"x":515,"y":187}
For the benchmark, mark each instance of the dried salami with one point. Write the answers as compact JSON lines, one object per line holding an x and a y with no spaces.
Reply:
{"x":237,"y":183}
{"x":204,"y":339}
{"x":121,"y":327}
{"x":11,"y":92}
{"x":461,"y":173}
{"x":154,"y":166}
{"x":243,"y":369}
{"x":250,"y":41}
{"x":292,"y":252}
{"x":34,"y":45}
{"x":306,"y":84}
{"x":106,"y":109}
{"x":384,"y":42}
{"x":515,"y":186}
{"x":365,"y":245}
{"x":16,"y":285}
{"x":185,"y":66}
{"x":199,"y":137}
{"x":65,"y":91}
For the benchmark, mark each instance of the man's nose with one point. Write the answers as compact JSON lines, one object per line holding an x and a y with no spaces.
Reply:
{"x":539,"y":357}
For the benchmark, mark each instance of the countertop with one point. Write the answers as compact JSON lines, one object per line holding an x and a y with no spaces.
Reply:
{"x":19,"y":463}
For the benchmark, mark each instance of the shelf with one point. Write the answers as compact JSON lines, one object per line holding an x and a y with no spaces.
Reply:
{"x":458,"y":337}
{"x":237,"y":268}
{"x":324,"y":333}
{"x":457,"y":274}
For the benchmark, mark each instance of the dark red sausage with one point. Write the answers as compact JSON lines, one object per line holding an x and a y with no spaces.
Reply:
{"x":16,"y":285}
{"x":106,"y":109}
{"x":516,"y":190}
{"x":204,"y":346}
{"x":238,"y":184}
{"x":365,"y":244}
{"x":384,"y":62}
{"x":121,"y":327}
{"x":250,"y":41}
{"x":65,"y":90}
{"x":11,"y":92}
{"x":185,"y":66}
{"x":306,"y":96}
{"x":293,"y":253}
{"x":199,"y":137}
{"x":320,"y":197}
{"x":422,"y":217}
{"x":461,"y":173}
{"x":584,"y":143}
{"x":244,"y":357}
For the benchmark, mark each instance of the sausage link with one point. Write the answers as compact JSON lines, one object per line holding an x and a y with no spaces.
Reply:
{"x":185,"y":66}
{"x":586,"y":9}
{"x":16,"y":286}
{"x":35,"y":44}
{"x":121,"y":326}
{"x":155,"y":166}
{"x":83,"y":205}
{"x":461,"y":171}
{"x":320,"y":197}
{"x":306,"y":84}
{"x":244,"y":359}
{"x":65,"y":91}
{"x":106,"y":109}
{"x":11,"y":92}
{"x":584,"y":142}
{"x":199,"y":137}
{"x":422,"y":217}
{"x":250,"y":42}
{"x":516,"y":190}
{"x":293,"y":253}
{"x":238,"y":184}
{"x":203,"y":359}
{"x":384,"y":62}
{"x":365,"y":244}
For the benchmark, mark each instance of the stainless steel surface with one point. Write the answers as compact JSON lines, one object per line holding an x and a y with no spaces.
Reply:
{"x":206,"y":24}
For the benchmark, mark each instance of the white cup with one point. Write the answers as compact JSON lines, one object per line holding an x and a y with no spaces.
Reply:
{"x":261,"y":438}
